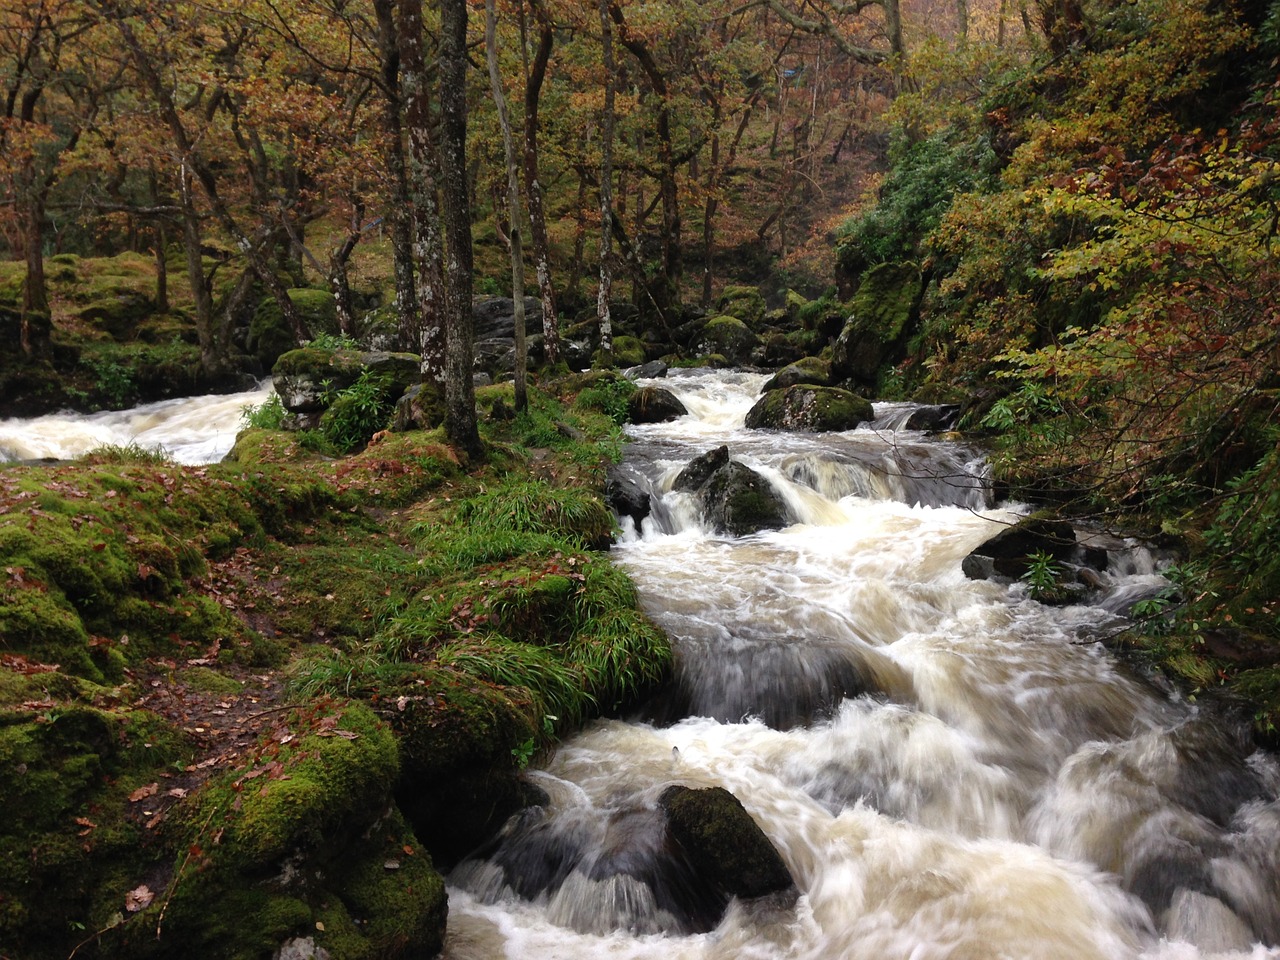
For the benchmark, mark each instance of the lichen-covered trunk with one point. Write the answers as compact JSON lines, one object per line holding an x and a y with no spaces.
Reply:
{"x":533,"y":185}
{"x":423,"y":193}
{"x":408,"y":318}
{"x":605,"y":290}
{"x":460,"y":405}
{"x":34,"y":330}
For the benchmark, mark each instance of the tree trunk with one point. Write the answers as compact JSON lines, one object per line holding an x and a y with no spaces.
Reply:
{"x":423,"y":192}
{"x":513,"y":203}
{"x":401,"y":214}
{"x":212,"y":352}
{"x":533,"y":185}
{"x":605,"y":291}
{"x":460,"y":406}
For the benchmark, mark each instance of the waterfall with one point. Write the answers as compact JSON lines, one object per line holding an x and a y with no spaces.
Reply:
{"x":948,"y":768}
{"x":189,"y":429}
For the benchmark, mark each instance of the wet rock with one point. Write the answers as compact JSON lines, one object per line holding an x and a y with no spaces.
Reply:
{"x":734,"y":498}
{"x":653,"y":370}
{"x":1009,"y":552}
{"x":305,"y":378}
{"x":654,"y":405}
{"x":625,"y":496}
{"x":700,"y":469}
{"x":420,"y":408}
{"x":884,"y":310}
{"x":932,"y":418}
{"x":808,"y":407}
{"x":810,"y":370}
{"x":726,"y":846}
{"x":728,"y":337}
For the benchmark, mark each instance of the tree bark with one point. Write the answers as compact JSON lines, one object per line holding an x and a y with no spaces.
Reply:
{"x":460,"y":406}
{"x":423,"y":193}
{"x":409,"y":320}
{"x":533,"y":184}
{"x":605,"y":290}
{"x":513,"y":204}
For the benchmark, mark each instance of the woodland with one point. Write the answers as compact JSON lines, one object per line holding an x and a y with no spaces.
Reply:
{"x":1058,"y":215}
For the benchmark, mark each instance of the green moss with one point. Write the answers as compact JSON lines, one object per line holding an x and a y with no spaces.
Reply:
{"x":627,"y":352}
{"x":744,"y":303}
{"x":270,"y":336}
{"x":729,"y":337}
{"x":809,"y":407}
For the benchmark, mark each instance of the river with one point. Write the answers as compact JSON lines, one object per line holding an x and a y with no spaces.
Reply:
{"x":949,"y":769}
{"x":997,"y":786}
{"x":189,"y":429}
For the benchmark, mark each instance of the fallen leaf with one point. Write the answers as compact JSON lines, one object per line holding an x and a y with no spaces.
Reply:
{"x":138,"y":898}
{"x":143,"y":792}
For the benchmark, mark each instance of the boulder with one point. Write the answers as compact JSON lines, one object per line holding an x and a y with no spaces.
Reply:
{"x":729,"y":337}
{"x":307,"y":377}
{"x":625,"y":496}
{"x":883,"y":310}
{"x":744,"y":303}
{"x":1008,"y":553}
{"x":809,"y":370}
{"x":734,"y":498}
{"x":421,"y":407}
{"x":653,"y":370}
{"x":654,"y":405}
{"x":726,"y":847}
{"x":932,"y":418}
{"x":811,"y":408}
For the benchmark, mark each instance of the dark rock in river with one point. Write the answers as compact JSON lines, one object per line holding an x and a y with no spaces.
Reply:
{"x":654,"y":405}
{"x":734,"y":498}
{"x":625,"y":496}
{"x":1009,"y":552}
{"x":726,"y":847}
{"x":653,"y":370}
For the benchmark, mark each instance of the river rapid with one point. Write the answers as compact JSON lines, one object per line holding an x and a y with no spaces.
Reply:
{"x":949,"y":769}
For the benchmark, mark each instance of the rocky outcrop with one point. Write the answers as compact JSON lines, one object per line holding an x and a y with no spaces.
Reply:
{"x":306,"y":377}
{"x":654,"y":405}
{"x":808,"y":407}
{"x":883,"y":311}
{"x":727,"y":337}
{"x":734,"y":498}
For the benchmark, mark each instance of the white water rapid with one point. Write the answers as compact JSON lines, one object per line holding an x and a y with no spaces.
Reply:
{"x":949,"y":769}
{"x":189,"y":429}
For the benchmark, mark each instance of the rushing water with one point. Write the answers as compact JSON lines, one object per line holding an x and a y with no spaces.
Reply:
{"x":948,"y":768}
{"x":189,"y":429}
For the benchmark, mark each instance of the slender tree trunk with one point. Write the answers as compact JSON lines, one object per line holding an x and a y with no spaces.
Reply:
{"x":460,"y":406}
{"x":162,"y":268}
{"x":513,"y":203}
{"x":576,"y":265}
{"x":401,"y":215}
{"x":423,"y":191}
{"x":212,"y":353}
{"x":533,"y":185}
{"x":605,"y":291}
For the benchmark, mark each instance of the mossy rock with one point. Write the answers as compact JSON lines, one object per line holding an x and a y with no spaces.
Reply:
{"x":270,"y":335}
{"x":627,"y":352}
{"x":654,"y":405}
{"x":743,"y":303}
{"x":884,"y":312}
{"x":297,"y":841}
{"x":809,"y":408}
{"x":117,"y":309}
{"x":728,"y":849}
{"x":734,"y":498}
{"x":729,"y":338}
{"x":1010,"y":552}
{"x":810,"y":370}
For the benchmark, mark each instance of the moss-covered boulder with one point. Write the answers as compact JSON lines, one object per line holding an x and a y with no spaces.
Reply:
{"x":654,"y":405}
{"x":307,"y":378}
{"x":728,"y":849}
{"x":727,"y":337}
{"x":743,"y":303}
{"x":627,"y":352}
{"x":734,"y":498}
{"x":811,"y":370}
{"x":269,"y":334}
{"x":884,"y":311}
{"x":810,"y":408}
